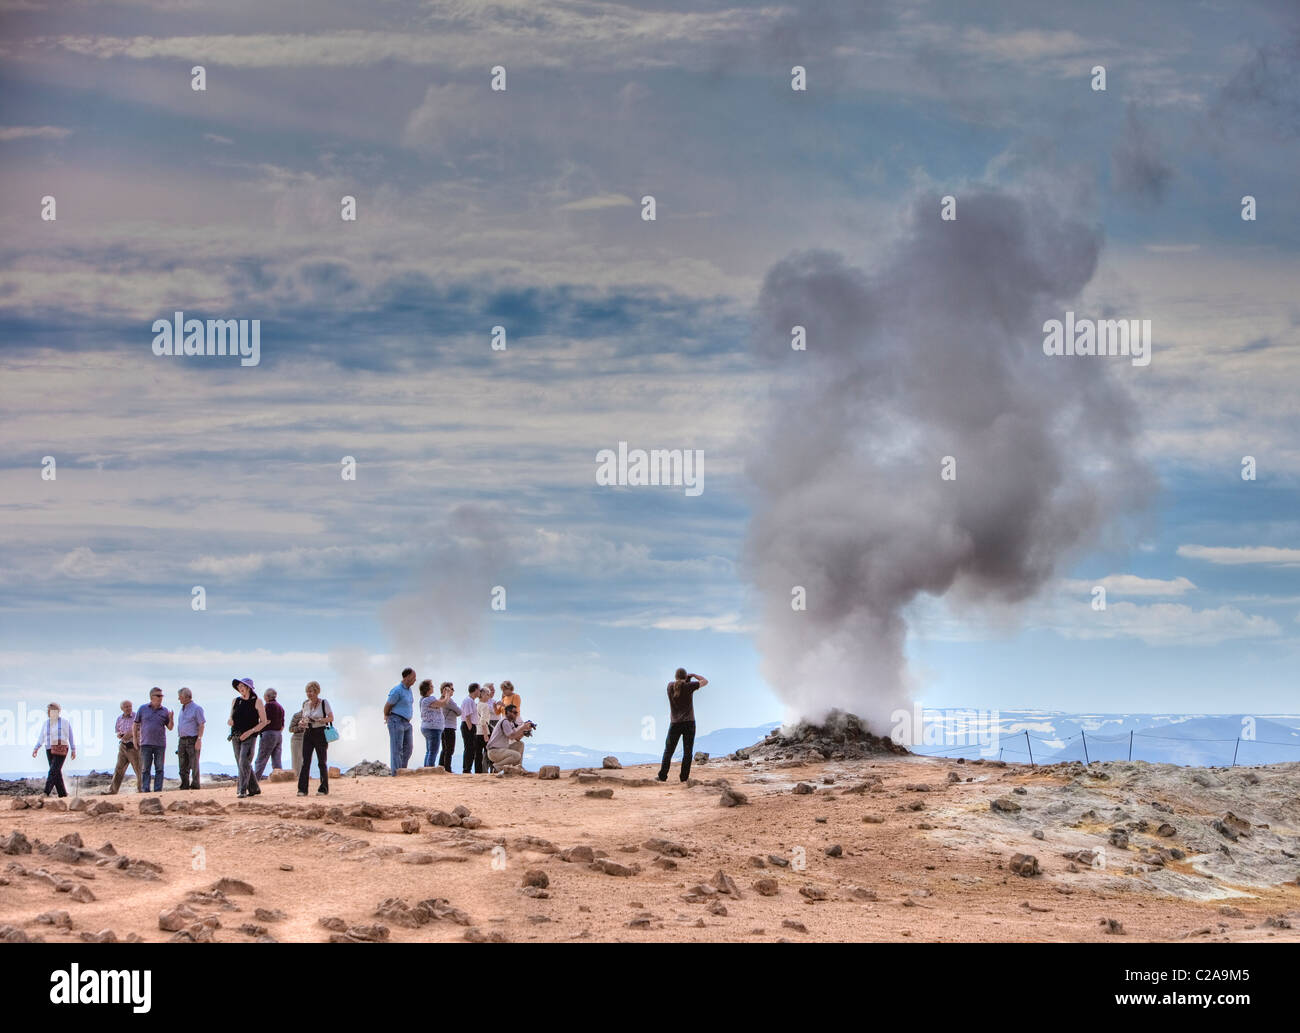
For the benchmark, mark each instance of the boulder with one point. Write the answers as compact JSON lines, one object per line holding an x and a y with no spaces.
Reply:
{"x":150,"y":805}
{"x":802,"y":789}
{"x":227,"y":885}
{"x":767,"y":887}
{"x":548,"y":771}
{"x":536,"y":877}
{"x":410,"y":825}
{"x":578,"y":853}
{"x":701,"y":757}
{"x":443,"y":818}
{"x":1004,"y":804}
{"x":1023,"y":864}
{"x":610,"y":763}
{"x":283,"y":775}
{"x":177,"y":918}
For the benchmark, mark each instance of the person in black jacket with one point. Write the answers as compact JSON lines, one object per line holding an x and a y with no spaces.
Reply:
{"x":681,"y":720}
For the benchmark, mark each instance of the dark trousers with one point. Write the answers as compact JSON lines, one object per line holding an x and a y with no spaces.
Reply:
{"x":313,"y":741}
{"x":448,"y":747}
{"x":473,"y":743}
{"x":188,"y":758}
{"x":685,"y":731}
{"x":54,"y":780}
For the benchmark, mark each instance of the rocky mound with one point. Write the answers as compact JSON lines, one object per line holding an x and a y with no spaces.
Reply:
{"x":842,"y":737}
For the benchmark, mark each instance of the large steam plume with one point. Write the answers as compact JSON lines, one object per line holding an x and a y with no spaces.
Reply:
{"x":936,"y":352}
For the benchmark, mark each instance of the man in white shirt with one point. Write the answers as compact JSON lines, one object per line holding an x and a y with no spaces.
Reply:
{"x":506,"y":745}
{"x":473,"y":758}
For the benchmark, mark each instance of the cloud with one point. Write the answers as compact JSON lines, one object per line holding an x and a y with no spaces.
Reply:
{"x":33,"y":133}
{"x":1131,"y":584}
{"x":1164,"y":624}
{"x":588,"y":204}
{"x":1224,"y":555}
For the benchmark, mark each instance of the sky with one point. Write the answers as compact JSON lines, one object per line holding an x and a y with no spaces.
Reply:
{"x":475,"y":467}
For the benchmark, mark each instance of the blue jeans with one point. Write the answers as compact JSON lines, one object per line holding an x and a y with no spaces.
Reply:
{"x":400,"y":742}
{"x":268,"y":748}
{"x":152,"y":757}
{"x":245,"y":750}
{"x":432,"y":741}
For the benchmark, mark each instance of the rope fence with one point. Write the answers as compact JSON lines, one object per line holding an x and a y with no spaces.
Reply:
{"x":1085,"y":740}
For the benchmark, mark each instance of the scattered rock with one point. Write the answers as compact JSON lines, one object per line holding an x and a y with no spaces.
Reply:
{"x":604,"y":864}
{"x":802,"y":789}
{"x":1005,"y":804}
{"x":578,"y":853}
{"x":610,"y":763}
{"x":536,"y":877}
{"x":443,"y":818}
{"x":225,"y":885}
{"x":1112,"y":926}
{"x":666,"y":846}
{"x":835,"y":850}
{"x":812,"y":892}
{"x":476,"y":935}
{"x":732,"y":797}
{"x":600,"y":794}
{"x":410,"y":825}
{"x":548,"y":771}
{"x":1024,"y":864}
{"x":150,"y":805}
{"x":767,"y":887}
{"x":790,"y":923}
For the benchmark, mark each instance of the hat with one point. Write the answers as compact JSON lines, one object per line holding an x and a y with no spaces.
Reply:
{"x":236,"y":682}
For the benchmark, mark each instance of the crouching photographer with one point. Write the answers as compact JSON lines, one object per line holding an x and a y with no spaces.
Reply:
{"x":506,"y":746}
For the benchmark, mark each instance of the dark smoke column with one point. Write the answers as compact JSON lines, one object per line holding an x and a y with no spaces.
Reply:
{"x":936,"y":353}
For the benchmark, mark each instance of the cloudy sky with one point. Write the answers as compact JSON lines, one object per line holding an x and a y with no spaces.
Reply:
{"x":522,"y":208}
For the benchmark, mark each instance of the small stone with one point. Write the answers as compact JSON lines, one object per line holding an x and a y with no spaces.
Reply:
{"x":1004,"y":804}
{"x":578,"y":853}
{"x":835,"y":850}
{"x":778,"y":861}
{"x":812,"y":892}
{"x":226,"y":885}
{"x":767,"y":887}
{"x":600,"y":794}
{"x":790,"y":923}
{"x":732,"y":797}
{"x":802,"y":789}
{"x":1023,"y":864}
{"x":410,"y":825}
{"x":548,"y":772}
{"x":81,"y":894}
{"x":443,"y":818}
{"x":471,"y":821}
{"x":536,"y":877}
{"x":151,"y":805}
{"x":611,"y":763}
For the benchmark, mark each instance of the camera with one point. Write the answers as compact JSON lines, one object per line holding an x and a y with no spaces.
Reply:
{"x":531,"y":730}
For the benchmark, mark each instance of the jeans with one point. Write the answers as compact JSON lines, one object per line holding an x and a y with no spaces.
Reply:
{"x":54,"y":780}
{"x":126,"y":754}
{"x":473,"y":744}
{"x":400,"y":742}
{"x":684,"y":730}
{"x":151,"y":757}
{"x":448,"y":747}
{"x":268,"y":749}
{"x":432,"y":740}
{"x":245,"y":750}
{"x":188,"y":756}
{"x":313,"y":741}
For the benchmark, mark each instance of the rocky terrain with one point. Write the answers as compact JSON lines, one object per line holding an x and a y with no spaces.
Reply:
{"x":782,"y":841}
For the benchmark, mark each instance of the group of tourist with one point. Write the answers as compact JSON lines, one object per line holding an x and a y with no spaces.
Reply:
{"x":492,"y":732}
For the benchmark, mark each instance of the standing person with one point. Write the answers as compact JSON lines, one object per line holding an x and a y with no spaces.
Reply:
{"x":486,"y":723}
{"x":431,"y":718}
{"x":247,"y":719}
{"x":469,"y":730}
{"x":449,"y":714}
{"x":268,"y":746}
{"x":56,"y":737}
{"x":295,"y":740}
{"x":190,"y":723}
{"x":509,"y":698}
{"x":315,"y":716}
{"x":398,"y":711}
{"x":127,"y":751}
{"x":507,"y":743}
{"x":152,"y":724}
{"x":681,"y":720}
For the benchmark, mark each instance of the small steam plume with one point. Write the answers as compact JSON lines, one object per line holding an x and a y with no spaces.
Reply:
{"x":937,"y":352}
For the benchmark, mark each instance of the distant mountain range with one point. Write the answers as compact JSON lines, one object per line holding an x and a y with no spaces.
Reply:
{"x":1195,"y":740}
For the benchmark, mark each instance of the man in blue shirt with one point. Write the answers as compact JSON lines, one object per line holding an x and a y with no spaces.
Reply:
{"x":189,"y":728}
{"x":151,"y":726}
{"x":398,"y":711}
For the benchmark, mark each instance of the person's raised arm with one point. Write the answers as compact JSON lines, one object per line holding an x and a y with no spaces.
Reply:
{"x":701,"y":679}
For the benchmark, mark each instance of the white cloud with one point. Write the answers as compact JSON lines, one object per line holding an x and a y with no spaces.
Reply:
{"x":33,"y":133}
{"x":1225,"y":555}
{"x":1131,"y":584}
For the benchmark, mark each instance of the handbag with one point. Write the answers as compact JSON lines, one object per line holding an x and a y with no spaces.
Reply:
{"x":59,"y":749}
{"x":331,"y":733}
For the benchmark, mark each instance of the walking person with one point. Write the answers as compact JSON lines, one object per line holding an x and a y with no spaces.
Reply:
{"x":469,"y":731}
{"x":295,"y":740}
{"x":247,"y":719}
{"x":398,"y":711}
{"x":268,"y":746}
{"x":56,"y":738}
{"x":127,"y":751}
{"x":190,"y":723}
{"x":315,"y":716}
{"x":152,"y":723}
{"x":681,"y":720}
{"x":450,"y":711}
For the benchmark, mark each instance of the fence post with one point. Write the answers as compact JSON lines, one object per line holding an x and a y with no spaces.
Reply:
{"x":1234,"y":752}
{"x":1130,"y":745}
{"x":1031,"y":749}
{"x":1085,"y":748}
